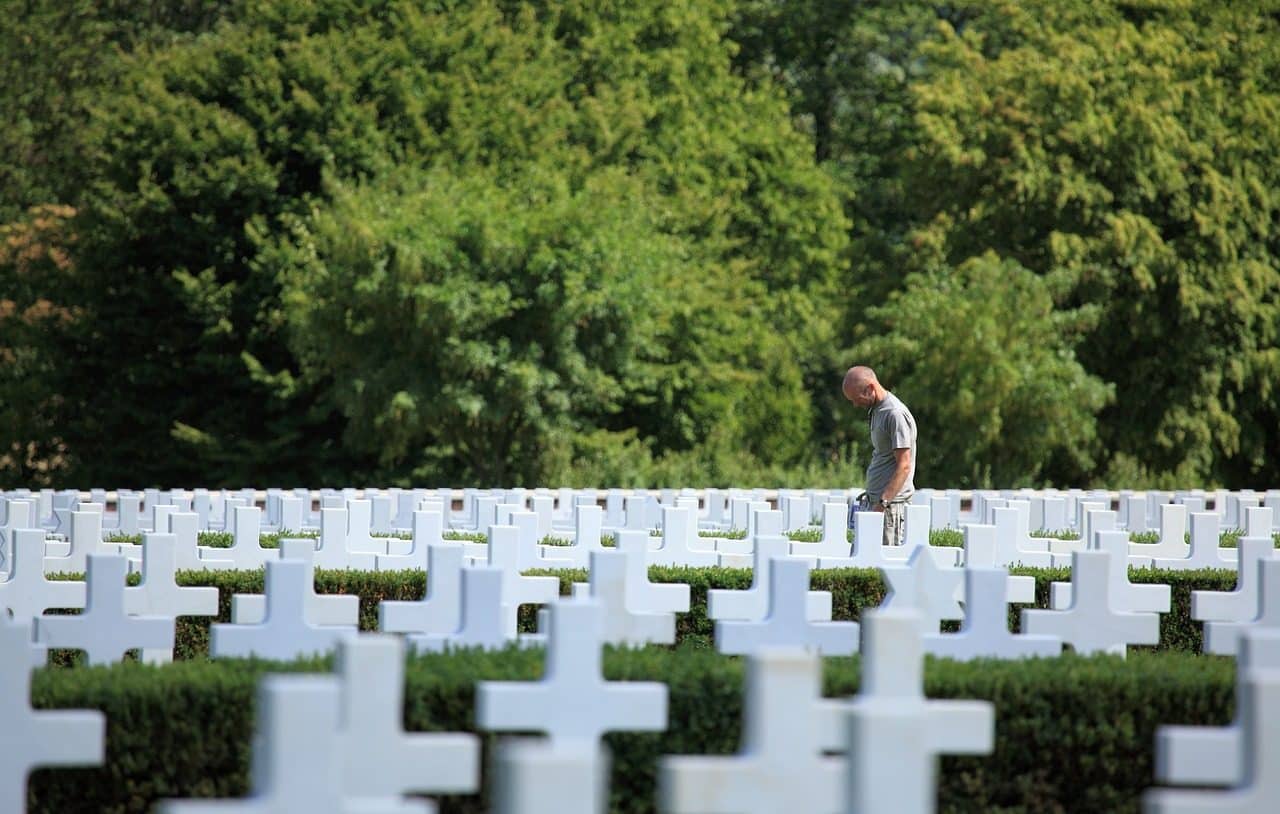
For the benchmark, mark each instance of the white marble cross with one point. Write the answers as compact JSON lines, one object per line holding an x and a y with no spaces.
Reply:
{"x":835,"y":535}
{"x":926,"y":587}
{"x":644,"y":596}
{"x":318,"y":609}
{"x":1240,"y":605}
{"x":158,"y":594}
{"x":787,"y":623}
{"x":246,"y":549}
{"x":29,"y":738}
{"x":612,"y":575}
{"x":284,"y":632}
{"x":1172,"y":544}
{"x":572,"y":701}
{"x":868,"y":548}
{"x":1205,"y":550}
{"x":1223,"y":637}
{"x":679,"y":537}
{"x":381,"y":759}
{"x":895,"y":734}
{"x":781,"y":766}
{"x":1092,"y":623}
{"x":985,"y":630}
{"x":980,"y":552}
{"x":1126,"y":596}
{"x":27,"y":593}
{"x":105,"y":631}
{"x":428,"y":530}
{"x":752,"y":604}
{"x":1243,"y":757}
{"x":484,"y":619}
{"x":439,"y":612}
{"x":298,"y":759}
{"x":517,"y":589}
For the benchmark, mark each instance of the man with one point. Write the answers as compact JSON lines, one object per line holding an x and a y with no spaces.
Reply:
{"x":890,"y":474}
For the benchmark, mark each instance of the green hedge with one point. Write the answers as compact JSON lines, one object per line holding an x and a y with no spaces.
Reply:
{"x":1072,"y":734}
{"x":852,"y":590}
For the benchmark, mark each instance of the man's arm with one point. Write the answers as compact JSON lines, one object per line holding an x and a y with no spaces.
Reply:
{"x":903,"y":459}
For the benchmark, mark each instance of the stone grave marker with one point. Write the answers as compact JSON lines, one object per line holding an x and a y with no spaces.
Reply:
{"x":895,"y":734}
{"x":439,"y":612}
{"x":29,"y":738}
{"x":980,"y":552}
{"x":1244,"y":757}
{"x":27,"y":593}
{"x":1125,"y":596}
{"x":484,"y":620}
{"x":925,"y":587}
{"x":1241,"y":604}
{"x":1172,"y":544}
{"x":985,"y":630}
{"x":614,"y":577}
{"x":381,"y":759}
{"x":786,"y":623}
{"x":105,"y":631}
{"x":781,"y":766}
{"x":753,"y":603}
{"x":284,"y":632}
{"x":1223,"y":638}
{"x":318,"y":609}
{"x":298,"y":760}
{"x":1205,"y":550}
{"x":1092,"y":624}
{"x":572,"y":702}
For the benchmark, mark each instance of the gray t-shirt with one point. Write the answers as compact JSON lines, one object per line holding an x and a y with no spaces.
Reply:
{"x":892,"y":427}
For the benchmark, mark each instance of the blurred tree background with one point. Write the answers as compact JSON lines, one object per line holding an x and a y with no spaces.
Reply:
{"x":313,"y":242}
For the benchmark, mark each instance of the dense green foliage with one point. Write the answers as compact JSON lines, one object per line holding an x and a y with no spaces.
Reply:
{"x":1073,"y":734}
{"x":508,"y":242}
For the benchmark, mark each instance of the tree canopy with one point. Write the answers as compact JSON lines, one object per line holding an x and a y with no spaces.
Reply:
{"x":527,"y":242}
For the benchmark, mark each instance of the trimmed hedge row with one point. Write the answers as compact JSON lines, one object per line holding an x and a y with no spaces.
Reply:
{"x":852,"y":589}
{"x":1072,"y":734}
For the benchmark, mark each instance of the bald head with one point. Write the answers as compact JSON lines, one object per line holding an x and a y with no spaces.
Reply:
{"x":862,"y":387}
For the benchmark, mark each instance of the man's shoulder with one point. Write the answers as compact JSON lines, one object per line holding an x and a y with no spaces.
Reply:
{"x":892,"y":404}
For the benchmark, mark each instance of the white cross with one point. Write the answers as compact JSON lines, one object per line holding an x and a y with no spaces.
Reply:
{"x":483,"y":622}
{"x":298,"y":757}
{"x":895,"y":734}
{"x":517,"y":590}
{"x":572,"y":701}
{"x":29,"y":739}
{"x":644,"y":596}
{"x":752,"y":604}
{"x":1205,"y":550}
{"x":1172,"y":544}
{"x":1240,"y":605}
{"x":781,"y":766}
{"x":381,"y":758}
{"x":284,"y":632}
{"x":1245,"y":756}
{"x":27,"y":593}
{"x":985,"y":630}
{"x":440,"y":610}
{"x":319,"y":609}
{"x":786,"y":623}
{"x":104,"y":631}
{"x":1091,"y":624}
{"x":1126,"y":596}
{"x":1223,"y":637}
{"x":611,"y":579}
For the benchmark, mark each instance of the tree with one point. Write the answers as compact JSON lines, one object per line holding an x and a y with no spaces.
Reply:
{"x":986,"y":365}
{"x":1126,"y":152}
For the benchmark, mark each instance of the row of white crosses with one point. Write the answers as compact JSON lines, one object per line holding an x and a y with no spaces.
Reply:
{"x":353,"y":532}
{"x":485,"y":613}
